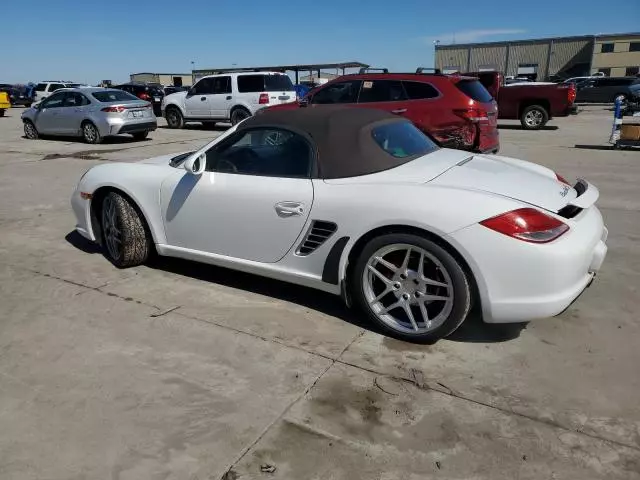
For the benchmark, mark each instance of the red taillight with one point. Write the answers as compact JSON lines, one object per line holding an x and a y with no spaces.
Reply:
{"x":113,"y":109}
{"x":571,"y":94}
{"x":527,"y":224}
{"x":562,"y":179}
{"x":473,"y":114}
{"x":264,"y":99}
{"x":144,"y":96}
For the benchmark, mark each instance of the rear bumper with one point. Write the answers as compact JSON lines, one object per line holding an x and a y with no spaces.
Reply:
{"x":138,"y":127}
{"x":520,"y":281}
{"x":116,"y":126}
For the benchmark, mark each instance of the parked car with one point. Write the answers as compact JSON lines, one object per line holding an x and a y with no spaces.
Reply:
{"x":534,"y":104}
{"x":46,"y":88}
{"x":359,"y":203}
{"x":91,"y":113}
{"x":230,"y":97}
{"x":4,"y":103}
{"x":173,"y":89}
{"x":607,"y":89}
{"x":150,"y":92}
{"x":17,"y":94}
{"x":457,"y":112}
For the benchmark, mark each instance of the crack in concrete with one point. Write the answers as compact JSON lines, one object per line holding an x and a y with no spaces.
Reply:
{"x":434,"y":386}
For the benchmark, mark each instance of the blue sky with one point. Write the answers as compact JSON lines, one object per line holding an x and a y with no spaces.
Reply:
{"x":89,"y":40}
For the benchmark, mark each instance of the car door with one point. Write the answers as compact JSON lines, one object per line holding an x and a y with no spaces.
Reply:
{"x":252,"y":202}
{"x":386,"y":95}
{"x":47,"y":120}
{"x":586,"y":91}
{"x":73,"y":112}
{"x":222,"y":99}
{"x":197,"y":103}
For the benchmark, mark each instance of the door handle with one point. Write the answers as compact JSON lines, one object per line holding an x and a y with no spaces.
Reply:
{"x":202,"y":99}
{"x":399,"y":111}
{"x":229,"y":97}
{"x":289,"y":209}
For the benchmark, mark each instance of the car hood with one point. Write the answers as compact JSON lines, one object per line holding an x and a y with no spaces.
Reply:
{"x":176,"y":96}
{"x":162,"y":159}
{"x":517,"y":179}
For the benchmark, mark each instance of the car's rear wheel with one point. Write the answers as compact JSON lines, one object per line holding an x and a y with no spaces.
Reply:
{"x":534,"y":117}
{"x":140,"y":135}
{"x":30,"y":130}
{"x":174,"y":117}
{"x":90,"y":133}
{"x":125,"y":240}
{"x":411,"y":287}
{"x":238,"y":115}
{"x":1,"y":112}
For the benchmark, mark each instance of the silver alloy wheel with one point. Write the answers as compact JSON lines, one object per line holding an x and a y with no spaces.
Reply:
{"x":533,"y":118}
{"x":30,"y":130}
{"x":90,"y":132}
{"x":172,"y":117}
{"x":112,"y":234}
{"x":408,"y":288}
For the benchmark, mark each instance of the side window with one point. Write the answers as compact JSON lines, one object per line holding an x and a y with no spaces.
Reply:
{"x":421,"y":90}
{"x":54,"y":101}
{"x":250,"y":83}
{"x":74,"y":99}
{"x":222,"y":85}
{"x":634,"y":46}
{"x":203,"y":87}
{"x":41,"y":87}
{"x":607,"y":48}
{"x":632,"y":71}
{"x":55,"y":86}
{"x":381,"y":91}
{"x":267,"y":152}
{"x":342,"y":92}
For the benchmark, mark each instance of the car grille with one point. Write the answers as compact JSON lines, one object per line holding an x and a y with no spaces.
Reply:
{"x":317,"y":234}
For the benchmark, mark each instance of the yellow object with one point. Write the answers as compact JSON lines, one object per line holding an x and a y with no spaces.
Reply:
{"x":4,"y":102}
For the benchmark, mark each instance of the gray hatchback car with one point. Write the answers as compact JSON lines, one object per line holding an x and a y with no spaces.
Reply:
{"x":91,"y":113}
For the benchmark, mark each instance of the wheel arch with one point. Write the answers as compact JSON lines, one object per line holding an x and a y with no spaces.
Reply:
{"x":94,"y":212}
{"x":540,"y":102}
{"x":350,"y":255}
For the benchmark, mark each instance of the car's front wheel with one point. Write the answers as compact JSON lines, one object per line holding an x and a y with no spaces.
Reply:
{"x":411,"y":287}
{"x":30,"y":130}
{"x":125,"y":240}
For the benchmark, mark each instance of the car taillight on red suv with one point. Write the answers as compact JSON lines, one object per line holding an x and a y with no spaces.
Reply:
{"x":473,"y":114}
{"x":571,"y":94}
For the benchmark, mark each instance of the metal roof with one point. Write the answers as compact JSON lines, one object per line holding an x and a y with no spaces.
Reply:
{"x":536,"y":40}
{"x":301,"y":67}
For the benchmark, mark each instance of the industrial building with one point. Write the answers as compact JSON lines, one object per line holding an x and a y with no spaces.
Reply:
{"x":546,"y":58}
{"x":165,"y":79}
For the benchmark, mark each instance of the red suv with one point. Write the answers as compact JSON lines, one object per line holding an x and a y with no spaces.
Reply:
{"x":457,"y":111}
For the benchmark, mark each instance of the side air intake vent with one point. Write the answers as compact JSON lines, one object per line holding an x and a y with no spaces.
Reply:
{"x":317,"y":234}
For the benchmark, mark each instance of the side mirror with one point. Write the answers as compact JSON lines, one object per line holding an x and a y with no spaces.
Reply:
{"x":196,"y":165}
{"x":190,"y":92}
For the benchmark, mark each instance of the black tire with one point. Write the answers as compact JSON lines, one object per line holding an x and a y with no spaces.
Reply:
{"x":27,"y":105}
{"x":135,"y":242}
{"x":140,"y":135}
{"x":1,"y":112}
{"x":90,"y":133}
{"x":239,"y":114}
{"x":534,"y":117}
{"x":209,"y":125}
{"x":30,"y":130}
{"x":462,"y":292}
{"x":174,"y":117}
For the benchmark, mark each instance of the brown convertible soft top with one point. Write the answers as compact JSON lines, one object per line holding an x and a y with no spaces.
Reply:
{"x":340,"y":135}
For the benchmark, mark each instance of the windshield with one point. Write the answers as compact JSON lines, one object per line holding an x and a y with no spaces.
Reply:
{"x":113,"y":96}
{"x":403,"y":140}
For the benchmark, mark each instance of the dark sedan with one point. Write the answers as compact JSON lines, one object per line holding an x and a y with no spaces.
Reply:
{"x":607,"y":89}
{"x":150,"y":92}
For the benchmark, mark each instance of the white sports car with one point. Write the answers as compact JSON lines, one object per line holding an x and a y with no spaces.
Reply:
{"x":358,"y":203}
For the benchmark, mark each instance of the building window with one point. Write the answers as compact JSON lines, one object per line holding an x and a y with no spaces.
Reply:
{"x":607,"y":48}
{"x":631,"y":71}
{"x":606,"y":71}
{"x":634,"y":47}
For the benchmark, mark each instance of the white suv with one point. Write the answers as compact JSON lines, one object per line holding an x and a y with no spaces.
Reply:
{"x":44,"y":89}
{"x":230,"y":97}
